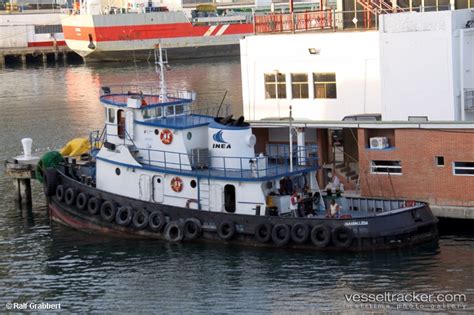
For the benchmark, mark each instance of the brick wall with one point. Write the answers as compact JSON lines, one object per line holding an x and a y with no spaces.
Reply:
{"x":421,"y":178}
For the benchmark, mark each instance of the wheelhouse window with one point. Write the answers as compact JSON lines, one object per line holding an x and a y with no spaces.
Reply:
{"x":150,"y":113}
{"x":275,"y":85}
{"x":179,"y":109}
{"x":299,"y":85}
{"x":169,"y":110}
{"x":463,"y":168}
{"x":111,"y":115}
{"x":386,"y":167}
{"x":324,"y":85}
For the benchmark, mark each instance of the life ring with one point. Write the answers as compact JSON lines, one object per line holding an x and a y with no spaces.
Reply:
{"x":226,"y":230}
{"x":93,"y":205}
{"x":173,"y":232}
{"x":321,"y":235}
{"x":263,"y":232}
{"x":82,"y":200}
{"x":124,"y":216}
{"x":299,"y":233}
{"x":70,"y":196}
{"x":156,"y":221}
{"x":281,"y":234}
{"x":108,"y":211}
{"x":342,"y":236}
{"x":60,"y":192}
{"x":192,"y":228}
{"x":140,"y":219}
{"x":176,"y":184}
{"x":166,"y":136}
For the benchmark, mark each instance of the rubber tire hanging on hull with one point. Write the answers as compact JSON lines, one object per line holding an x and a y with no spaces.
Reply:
{"x":108,"y":211}
{"x":70,"y":196}
{"x":300,"y":233}
{"x":192,"y":229}
{"x":173,"y":232}
{"x":263,"y":232}
{"x":156,"y":221}
{"x":124,"y":221}
{"x":346,"y":234}
{"x":226,"y":230}
{"x":281,"y":234}
{"x":50,"y":181}
{"x":60,"y":192}
{"x":81,"y":201}
{"x":140,"y":219}
{"x":321,"y":235}
{"x":93,"y":205}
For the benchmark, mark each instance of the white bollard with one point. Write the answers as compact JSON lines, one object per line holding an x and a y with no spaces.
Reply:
{"x":26,"y":142}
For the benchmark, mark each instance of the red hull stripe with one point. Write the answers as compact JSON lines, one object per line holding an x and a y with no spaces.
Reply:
{"x":143,"y":32}
{"x":46,"y":44}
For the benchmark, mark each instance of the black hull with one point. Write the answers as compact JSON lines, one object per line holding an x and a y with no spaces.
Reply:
{"x":400,"y":229}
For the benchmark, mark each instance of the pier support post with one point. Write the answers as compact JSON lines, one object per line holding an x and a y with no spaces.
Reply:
{"x":56,"y":54}
{"x":21,"y":175}
{"x":2,"y":60}
{"x":45,"y":58}
{"x":23,"y":59}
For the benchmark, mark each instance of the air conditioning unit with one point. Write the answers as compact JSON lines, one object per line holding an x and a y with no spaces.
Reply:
{"x":379,"y":143}
{"x":199,"y":158}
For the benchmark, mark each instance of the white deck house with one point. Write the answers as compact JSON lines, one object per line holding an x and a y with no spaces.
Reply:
{"x":416,"y":64}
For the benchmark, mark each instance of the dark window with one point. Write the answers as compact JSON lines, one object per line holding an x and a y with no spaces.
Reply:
{"x":117,"y":171}
{"x":111,"y":114}
{"x":439,"y":160}
{"x":48,"y":29}
{"x":386,"y":167}
{"x":299,"y":85}
{"x":229,"y":198}
{"x":463,"y":168}
{"x":121,"y":124}
{"x":275,"y":85}
{"x":193,"y":184}
{"x":324,"y":85}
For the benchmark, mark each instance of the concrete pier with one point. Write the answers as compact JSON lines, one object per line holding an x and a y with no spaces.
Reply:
{"x":26,"y":54}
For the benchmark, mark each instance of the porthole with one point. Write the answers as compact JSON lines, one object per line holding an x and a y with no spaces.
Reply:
{"x":193,"y":183}
{"x":158,"y":180}
{"x":189,"y":135}
{"x":157,"y":132}
{"x":117,"y":171}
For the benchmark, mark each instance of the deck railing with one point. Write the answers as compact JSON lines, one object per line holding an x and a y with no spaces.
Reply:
{"x":151,"y":94}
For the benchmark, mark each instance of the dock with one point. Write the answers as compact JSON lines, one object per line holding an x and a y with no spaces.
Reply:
{"x":34,"y":54}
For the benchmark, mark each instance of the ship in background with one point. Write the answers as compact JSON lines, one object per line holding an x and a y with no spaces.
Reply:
{"x":130,"y":30}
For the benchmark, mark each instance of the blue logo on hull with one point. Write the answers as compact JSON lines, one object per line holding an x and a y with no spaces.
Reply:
{"x":218,"y":137}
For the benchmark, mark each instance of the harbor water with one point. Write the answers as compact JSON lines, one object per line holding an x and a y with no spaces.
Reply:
{"x":43,"y":262}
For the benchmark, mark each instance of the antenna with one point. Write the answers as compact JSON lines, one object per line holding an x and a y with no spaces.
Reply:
{"x":220,"y":105}
{"x":161,"y":59}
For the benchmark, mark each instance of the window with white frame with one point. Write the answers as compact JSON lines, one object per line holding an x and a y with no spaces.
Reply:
{"x":111,"y":115}
{"x":386,"y":167}
{"x":325,"y":85}
{"x":463,"y":168}
{"x":275,"y":85}
{"x":299,"y":85}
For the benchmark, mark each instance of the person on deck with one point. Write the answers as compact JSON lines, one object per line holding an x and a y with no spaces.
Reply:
{"x":294,"y":203}
{"x":334,"y":209}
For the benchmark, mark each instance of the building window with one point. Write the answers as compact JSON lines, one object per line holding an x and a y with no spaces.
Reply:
{"x":275,"y":85}
{"x":386,"y":167}
{"x":463,"y":168}
{"x":299,"y":85}
{"x":324,"y":85}
{"x":439,"y":160}
{"x":111,"y":115}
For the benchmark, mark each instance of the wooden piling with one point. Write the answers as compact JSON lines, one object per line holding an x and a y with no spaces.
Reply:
{"x":21,"y":173}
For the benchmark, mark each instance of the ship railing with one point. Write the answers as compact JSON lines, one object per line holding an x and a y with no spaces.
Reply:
{"x":377,"y":206}
{"x":149,"y":93}
{"x":257,"y":167}
{"x":212,"y":110}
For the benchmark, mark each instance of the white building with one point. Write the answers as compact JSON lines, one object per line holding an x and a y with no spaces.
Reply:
{"x":416,"y":64}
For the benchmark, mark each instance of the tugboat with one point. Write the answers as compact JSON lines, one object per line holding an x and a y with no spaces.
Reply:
{"x":161,"y":169}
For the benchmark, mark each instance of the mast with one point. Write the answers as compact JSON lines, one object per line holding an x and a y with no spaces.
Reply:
{"x":160,"y":62}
